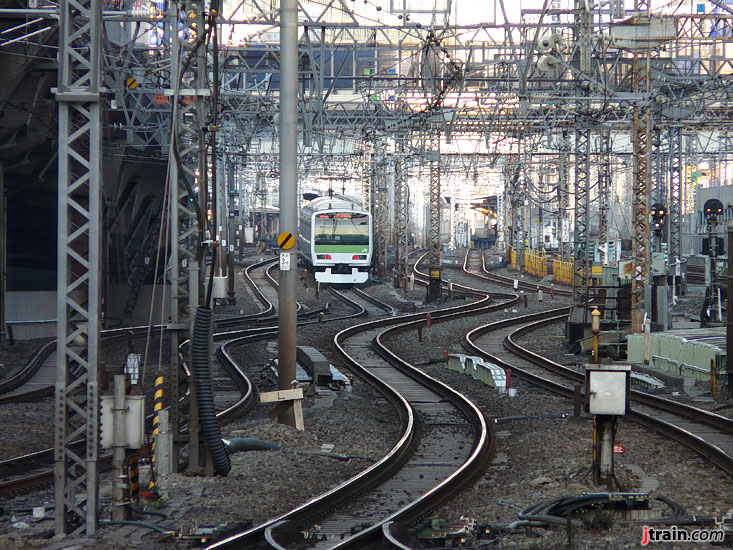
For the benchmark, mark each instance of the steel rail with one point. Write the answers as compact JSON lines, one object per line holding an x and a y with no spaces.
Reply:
{"x":110,"y":335}
{"x":247,"y":400}
{"x":509,"y":281}
{"x":369,"y":298}
{"x":649,"y":406}
{"x":375,"y":473}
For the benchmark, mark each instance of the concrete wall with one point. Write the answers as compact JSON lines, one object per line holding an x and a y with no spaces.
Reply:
{"x":31,"y":306}
{"x":118,"y":297}
{"x":41,"y":306}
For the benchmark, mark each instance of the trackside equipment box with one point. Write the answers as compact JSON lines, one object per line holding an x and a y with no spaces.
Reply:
{"x":607,"y":389}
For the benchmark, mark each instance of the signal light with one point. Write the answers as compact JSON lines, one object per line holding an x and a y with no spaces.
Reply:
{"x":328,"y":256}
{"x":355,"y":257}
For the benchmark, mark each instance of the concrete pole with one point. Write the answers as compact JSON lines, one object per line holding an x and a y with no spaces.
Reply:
{"x":288,"y":198}
{"x":729,"y":315}
{"x":3,"y":252}
{"x":119,"y":507}
{"x":228,"y":211}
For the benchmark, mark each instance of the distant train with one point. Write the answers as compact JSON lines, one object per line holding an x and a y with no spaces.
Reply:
{"x":336,"y":239}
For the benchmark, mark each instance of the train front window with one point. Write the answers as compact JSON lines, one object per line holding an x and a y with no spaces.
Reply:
{"x":341,"y":228}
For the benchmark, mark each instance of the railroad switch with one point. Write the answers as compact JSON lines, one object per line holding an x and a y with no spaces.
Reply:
{"x":202,"y":535}
{"x":439,"y":533}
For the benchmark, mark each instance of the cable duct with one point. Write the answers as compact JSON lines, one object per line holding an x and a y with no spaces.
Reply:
{"x":202,"y":329}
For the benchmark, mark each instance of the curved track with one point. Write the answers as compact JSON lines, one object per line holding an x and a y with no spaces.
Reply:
{"x":475,"y":265}
{"x":708,"y":433}
{"x":15,"y":471}
{"x":36,"y":379}
{"x":425,"y":466}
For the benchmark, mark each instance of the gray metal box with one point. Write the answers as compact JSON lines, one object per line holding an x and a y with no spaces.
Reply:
{"x":607,"y":389}
{"x":658,"y":267}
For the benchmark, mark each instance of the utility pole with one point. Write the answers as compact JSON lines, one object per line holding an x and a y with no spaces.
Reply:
{"x":288,"y":199}
{"x":3,"y":250}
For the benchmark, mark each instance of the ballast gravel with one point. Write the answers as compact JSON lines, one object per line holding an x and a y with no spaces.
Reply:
{"x":537,"y":458}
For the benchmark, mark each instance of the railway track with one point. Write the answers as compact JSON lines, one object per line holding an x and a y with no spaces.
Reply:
{"x":423,"y":468}
{"x":23,"y":473}
{"x":361,"y":302}
{"x":475,"y":265}
{"x":709,"y":434}
{"x":36,"y":379}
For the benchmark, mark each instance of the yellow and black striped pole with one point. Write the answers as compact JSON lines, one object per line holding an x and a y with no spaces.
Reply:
{"x":157,"y":407}
{"x":134,"y":479}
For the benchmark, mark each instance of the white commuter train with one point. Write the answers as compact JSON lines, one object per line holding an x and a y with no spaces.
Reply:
{"x":336,"y":239}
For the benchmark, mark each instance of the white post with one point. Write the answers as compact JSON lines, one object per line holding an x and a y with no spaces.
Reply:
{"x":163,"y":453}
{"x":119,"y":437}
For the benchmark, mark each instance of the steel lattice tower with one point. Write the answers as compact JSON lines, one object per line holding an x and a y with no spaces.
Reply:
{"x":79,"y":266}
{"x":604,"y":185}
{"x":185,"y":221}
{"x":382,"y":214}
{"x":563,"y":199}
{"x":434,"y":286}
{"x":641,"y":130}
{"x":582,"y":252}
{"x":402,"y":213}
{"x":675,"y":193}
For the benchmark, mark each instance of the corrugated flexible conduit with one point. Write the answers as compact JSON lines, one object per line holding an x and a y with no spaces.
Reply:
{"x":202,"y":328}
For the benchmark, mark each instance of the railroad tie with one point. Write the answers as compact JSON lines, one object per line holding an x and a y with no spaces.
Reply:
{"x":157,"y":407}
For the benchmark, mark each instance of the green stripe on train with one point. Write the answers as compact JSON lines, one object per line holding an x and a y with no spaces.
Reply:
{"x":341,"y":248}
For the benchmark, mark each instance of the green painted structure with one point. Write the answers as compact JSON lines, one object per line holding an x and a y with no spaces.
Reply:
{"x":690,"y":353}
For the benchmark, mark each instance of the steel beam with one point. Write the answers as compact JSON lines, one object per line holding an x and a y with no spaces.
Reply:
{"x":641,"y":130}
{"x":582,"y":251}
{"x":434,"y":284}
{"x":79,"y":266}
{"x":675,"y":193}
{"x":402,"y":214}
{"x":604,"y":185}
